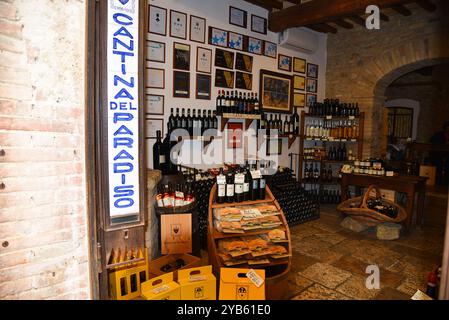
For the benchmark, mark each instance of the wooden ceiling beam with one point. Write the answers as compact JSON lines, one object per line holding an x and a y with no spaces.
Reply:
{"x":323,"y":27}
{"x":402,"y":10}
{"x":357,"y":19}
{"x":344,"y":24}
{"x":267,"y":4}
{"x":426,"y":5}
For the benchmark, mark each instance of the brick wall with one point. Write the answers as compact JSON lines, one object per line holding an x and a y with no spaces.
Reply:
{"x":362,"y":63}
{"x":43,"y":232}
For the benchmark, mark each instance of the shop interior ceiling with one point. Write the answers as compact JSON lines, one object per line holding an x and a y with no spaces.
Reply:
{"x":327,"y":16}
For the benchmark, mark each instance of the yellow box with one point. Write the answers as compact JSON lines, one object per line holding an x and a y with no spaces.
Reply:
{"x":198,"y":284}
{"x":235,"y":285}
{"x":161,"y":288}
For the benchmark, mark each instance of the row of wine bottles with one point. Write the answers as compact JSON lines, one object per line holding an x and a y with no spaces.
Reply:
{"x":174,"y":195}
{"x":237,"y":102}
{"x":194,"y":124}
{"x":337,"y":129}
{"x":333,"y":107}
{"x":290,"y":125}
{"x":325,"y":196}
{"x":162,"y":155}
{"x":312,"y":174}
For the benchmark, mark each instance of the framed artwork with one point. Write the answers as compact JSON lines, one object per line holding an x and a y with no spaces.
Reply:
{"x":235,"y":135}
{"x":270,"y":49}
{"x":181,"y":84}
{"x":299,"y":65}
{"x":154,"y":104}
{"x":152,"y":126}
{"x":218,"y":37}
{"x":203,"y":60}
{"x":181,"y":56}
{"x":243,"y":62}
{"x":157,"y":20}
{"x":284,"y":63}
{"x":236,"y":41}
{"x":254,"y":45}
{"x":276,"y":91}
{"x":155,"y":78}
{"x":178,"y":24}
{"x":312,"y":70}
{"x":224,"y":79}
{"x":238,"y":17}
{"x":243,"y":81}
{"x":274,"y":146}
{"x":258,"y":24}
{"x":312,"y":85}
{"x":155,"y":51}
{"x":197,"y":29}
{"x":310,"y":99}
{"x":203,"y":86}
{"x":224,"y":59}
{"x":299,"y":100}
{"x":299,"y":83}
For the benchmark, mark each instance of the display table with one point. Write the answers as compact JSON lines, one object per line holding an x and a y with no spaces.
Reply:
{"x":410,"y":185}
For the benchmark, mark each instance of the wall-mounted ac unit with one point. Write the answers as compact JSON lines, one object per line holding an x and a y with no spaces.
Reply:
{"x":299,"y":39}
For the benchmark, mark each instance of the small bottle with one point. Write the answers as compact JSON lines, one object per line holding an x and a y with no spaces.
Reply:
{"x":179,"y":196}
{"x":160,"y":197}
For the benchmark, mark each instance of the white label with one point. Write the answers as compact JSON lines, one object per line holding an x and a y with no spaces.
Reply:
{"x":351,"y":117}
{"x":239,"y":178}
{"x":239,"y":188}
{"x":230,"y":190}
{"x":221,"y":190}
{"x":221,"y":179}
{"x":160,"y":203}
{"x":179,"y":194}
{"x":328,"y":117}
{"x":255,"y":278}
{"x":197,"y":278}
{"x":255,"y":174}
{"x":262,"y":183}
{"x":162,"y":159}
{"x":246,"y":187}
{"x":161,"y":289}
{"x":123,"y":106}
{"x":168,"y":202}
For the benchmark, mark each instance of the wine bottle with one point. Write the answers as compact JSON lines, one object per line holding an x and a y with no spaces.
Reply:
{"x":257,"y":109}
{"x":189,"y":120}
{"x":171,"y":122}
{"x":295,"y":120}
{"x":255,"y":185}
{"x":230,"y":187}
{"x":159,"y":154}
{"x":218,"y":102}
{"x":246,"y":184}
{"x":262,"y":182}
{"x":177,"y":120}
{"x":214,"y":120}
{"x":239,"y":180}
{"x":221,"y":187}
{"x":183,"y":120}
{"x":205,"y":122}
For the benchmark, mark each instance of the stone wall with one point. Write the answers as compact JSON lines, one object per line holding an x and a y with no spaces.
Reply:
{"x":362,"y":63}
{"x":43,"y":222}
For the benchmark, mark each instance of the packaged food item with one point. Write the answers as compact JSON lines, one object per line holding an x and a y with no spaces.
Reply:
{"x":270,"y":222}
{"x":197,"y":284}
{"x":228,"y":214}
{"x":228,"y":226}
{"x":277,"y":235}
{"x":242,"y":284}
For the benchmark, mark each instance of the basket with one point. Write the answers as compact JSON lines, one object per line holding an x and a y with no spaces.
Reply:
{"x":370,"y":217}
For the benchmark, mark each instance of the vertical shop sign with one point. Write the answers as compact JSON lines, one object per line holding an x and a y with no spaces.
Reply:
{"x":123,"y":105}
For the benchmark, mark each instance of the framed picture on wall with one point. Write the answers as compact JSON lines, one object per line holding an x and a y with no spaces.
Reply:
{"x":203,"y":60}
{"x":244,"y":62}
{"x":178,"y":24}
{"x":258,"y":24}
{"x":276,"y":91}
{"x":218,"y":37}
{"x":155,"y":51}
{"x":312,"y":85}
{"x":299,"y":83}
{"x":181,"y":56}
{"x":284,"y":63}
{"x":236,"y":41}
{"x":181,"y":84}
{"x":224,"y":79}
{"x":312,"y":70}
{"x":154,"y":104}
{"x":299,"y":100}
{"x":243,"y":81}
{"x":270,"y":49}
{"x":310,"y":99}
{"x":197,"y":29}
{"x":299,"y":65}
{"x":238,"y":17}
{"x":254,"y":45}
{"x":152,"y":126}
{"x":155,"y":78}
{"x":235,"y":135}
{"x":203,"y":86}
{"x":224,"y":59}
{"x":157,"y":20}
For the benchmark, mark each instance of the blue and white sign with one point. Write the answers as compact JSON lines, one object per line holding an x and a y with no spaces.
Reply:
{"x":123,"y":106}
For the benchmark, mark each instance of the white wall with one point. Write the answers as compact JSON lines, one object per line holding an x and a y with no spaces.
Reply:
{"x":216,"y":13}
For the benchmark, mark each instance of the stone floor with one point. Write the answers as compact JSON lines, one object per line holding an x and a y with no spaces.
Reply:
{"x":329,"y":262}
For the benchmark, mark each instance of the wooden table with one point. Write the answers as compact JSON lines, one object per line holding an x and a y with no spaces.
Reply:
{"x":410,"y":185}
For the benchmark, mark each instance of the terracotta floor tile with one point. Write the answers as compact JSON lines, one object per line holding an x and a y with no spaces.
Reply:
{"x":326,"y":275}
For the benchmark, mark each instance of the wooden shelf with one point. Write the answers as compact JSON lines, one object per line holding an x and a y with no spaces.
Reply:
{"x":221,"y":235}
{"x":332,"y":117}
{"x":243,"y":203}
{"x":273,"y":262}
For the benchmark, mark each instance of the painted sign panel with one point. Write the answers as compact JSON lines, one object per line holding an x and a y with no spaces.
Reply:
{"x":123,"y":106}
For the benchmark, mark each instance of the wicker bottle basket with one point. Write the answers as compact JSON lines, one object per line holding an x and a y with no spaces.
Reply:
{"x":184,"y":209}
{"x":362,"y":213}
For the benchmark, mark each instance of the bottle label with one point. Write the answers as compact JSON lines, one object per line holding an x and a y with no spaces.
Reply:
{"x":239,"y":188}
{"x":255,"y":174}
{"x":221,"y":190}
{"x":162,"y":159}
{"x":179,"y":202}
{"x":246,"y":187}
{"x":239,"y":178}
{"x":221,"y":180}
{"x":230,"y":190}
{"x":168,"y":202}
{"x":262,"y":183}
{"x":179,"y":194}
{"x":255,"y":184}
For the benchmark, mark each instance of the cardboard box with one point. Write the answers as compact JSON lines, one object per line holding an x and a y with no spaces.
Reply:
{"x":198,"y":284}
{"x":161,"y":288}
{"x":176,"y":233}
{"x":235,"y":285}
{"x":429,"y":172}
{"x":156,"y":265}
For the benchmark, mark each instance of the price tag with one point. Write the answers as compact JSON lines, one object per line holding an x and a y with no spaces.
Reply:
{"x":221,"y":179}
{"x":197,"y":278}
{"x":161,"y":289}
{"x":328,"y":117}
{"x":239,"y":178}
{"x":351,"y":117}
{"x":255,"y":174}
{"x":255,"y":278}
{"x":343,"y":140}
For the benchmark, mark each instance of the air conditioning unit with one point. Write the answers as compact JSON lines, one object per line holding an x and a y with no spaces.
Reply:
{"x":299,"y":39}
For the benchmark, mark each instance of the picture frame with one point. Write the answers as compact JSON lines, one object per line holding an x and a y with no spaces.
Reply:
{"x":224,"y":59}
{"x":276,"y":91}
{"x":203,"y":60}
{"x":152,"y":125}
{"x":299,"y":100}
{"x":312,"y":70}
{"x":274,"y":146}
{"x":243,"y":81}
{"x":310,"y":99}
{"x":224,"y":79}
{"x":238,"y":17}
{"x":270,"y":49}
{"x":157,"y":20}
{"x":178,"y":24}
{"x":299,"y":82}
{"x":311,"y":85}
{"x":155,"y":51}
{"x":236,"y":41}
{"x":235,"y":135}
{"x":258,"y":24}
{"x":255,"y":45}
{"x":243,"y":62}
{"x":218,"y":37}
{"x":181,"y":84}
{"x":154,"y":104}
{"x":203,"y":86}
{"x":155,"y":78}
{"x":197,"y":29}
{"x":181,"y":56}
{"x":284,"y":62}
{"x":299,"y":65}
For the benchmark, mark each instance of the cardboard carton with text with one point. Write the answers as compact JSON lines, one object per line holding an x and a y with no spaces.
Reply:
{"x":242,"y":284}
{"x":197,"y":284}
{"x":161,"y":288}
